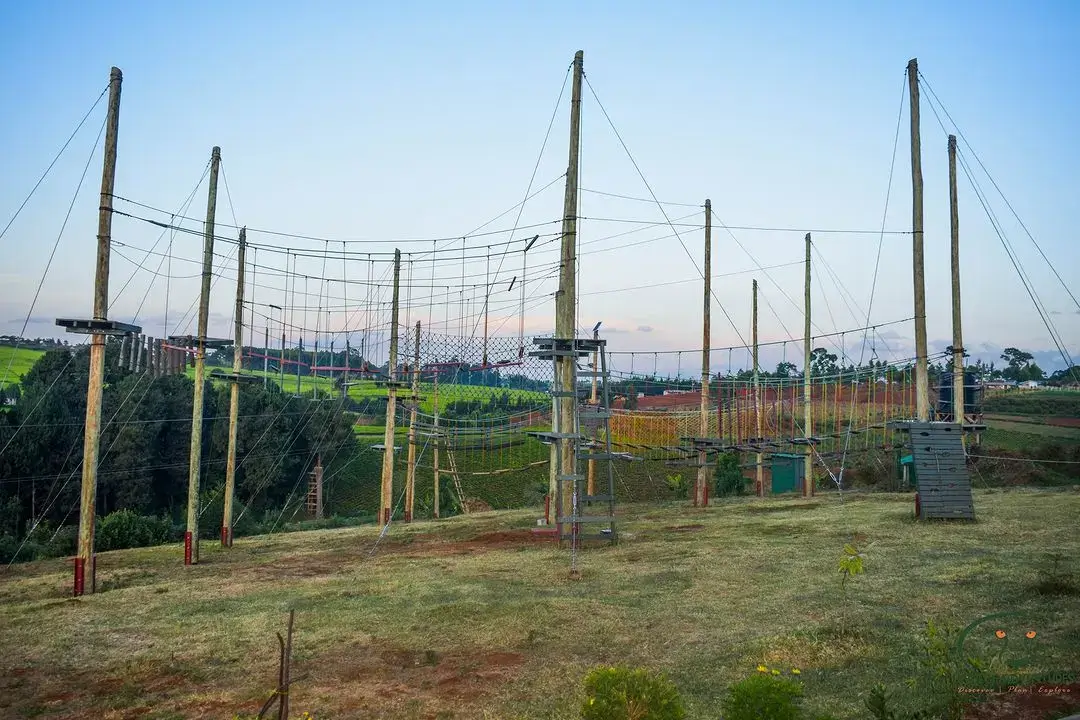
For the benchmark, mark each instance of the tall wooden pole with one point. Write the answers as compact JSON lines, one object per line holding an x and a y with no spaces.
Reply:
{"x":84,"y":560}
{"x":387,"y":496}
{"x":701,"y":493}
{"x":266,"y":356}
{"x":566,"y":301}
{"x":957,"y":332}
{"x":191,"y":535}
{"x":234,"y":395}
{"x":760,"y":472}
{"x":590,"y":488}
{"x":438,"y":440}
{"x":808,"y":418}
{"x":410,"y":475}
{"x":922,"y":376}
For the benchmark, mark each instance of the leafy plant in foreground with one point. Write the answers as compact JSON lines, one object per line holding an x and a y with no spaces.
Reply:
{"x":621,"y":693}
{"x":763,"y":696}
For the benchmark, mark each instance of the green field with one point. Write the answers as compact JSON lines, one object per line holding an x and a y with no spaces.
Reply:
{"x":369,"y":389}
{"x":20,"y":361}
{"x":469,"y":618}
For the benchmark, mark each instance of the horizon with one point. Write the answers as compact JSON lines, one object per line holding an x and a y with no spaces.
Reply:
{"x":454,"y":138}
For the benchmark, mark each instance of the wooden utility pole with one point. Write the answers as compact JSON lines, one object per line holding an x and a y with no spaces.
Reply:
{"x":957,"y":333}
{"x":808,"y":418}
{"x":191,"y":535}
{"x":410,"y":474}
{"x":922,"y":376}
{"x":85,"y":564}
{"x":566,"y":303}
{"x":701,"y":492}
{"x":760,"y":476}
{"x":386,"y":504}
{"x":437,"y":439}
{"x":234,"y":394}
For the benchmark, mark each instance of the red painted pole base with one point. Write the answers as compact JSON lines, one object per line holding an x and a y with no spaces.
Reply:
{"x":386,"y":516}
{"x":408,"y":516}
{"x":226,"y":536}
{"x":80,"y":568}
{"x":918,"y":507}
{"x":80,"y":576}
{"x":187,"y":548}
{"x":706,"y":498}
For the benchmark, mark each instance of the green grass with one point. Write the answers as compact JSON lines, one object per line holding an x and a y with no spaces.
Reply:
{"x":433,"y":622}
{"x":20,"y":360}
{"x":1022,"y":432}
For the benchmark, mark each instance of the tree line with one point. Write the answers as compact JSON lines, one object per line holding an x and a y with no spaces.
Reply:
{"x":145,"y":445}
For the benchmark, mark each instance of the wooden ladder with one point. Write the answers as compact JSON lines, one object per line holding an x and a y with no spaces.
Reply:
{"x":457,"y":481}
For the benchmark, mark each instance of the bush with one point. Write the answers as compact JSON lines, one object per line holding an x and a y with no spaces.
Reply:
{"x":620,"y":693}
{"x":125,"y":529}
{"x":728,"y":476}
{"x":763,"y":697}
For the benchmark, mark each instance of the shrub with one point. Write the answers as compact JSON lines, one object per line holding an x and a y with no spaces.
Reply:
{"x":621,"y":693}
{"x":126,"y":529}
{"x":728,"y":477}
{"x":763,"y":697}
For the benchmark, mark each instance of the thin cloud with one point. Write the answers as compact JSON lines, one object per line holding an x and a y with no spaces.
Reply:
{"x":644,"y":328}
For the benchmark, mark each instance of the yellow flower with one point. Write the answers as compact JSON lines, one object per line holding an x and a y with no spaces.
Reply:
{"x":775,"y":672}
{"x":762,"y":668}
{"x":796,"y":671}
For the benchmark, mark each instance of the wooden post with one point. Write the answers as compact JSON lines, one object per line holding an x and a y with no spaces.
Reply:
{"x":410,"y":475}
{"x":808,"y":418}
{"x":566,"y":302}
{"x":386,"y":504}
{"x":319,"y":487}
{"x":122,"y":361}
{"x":957,"y":333}
{"x":438,"y":441}
{"x":191,"y":535}
{"x":133,"y":358}
{"x":701,"y":494}
{"x":159,"y":359}
{"x":760,"y":469}
{"x":922,"y":377}
{"x":234,"y":394}
{"x":266,"y":357}
{"x":84,"y":559}
{"x":590,"y":489}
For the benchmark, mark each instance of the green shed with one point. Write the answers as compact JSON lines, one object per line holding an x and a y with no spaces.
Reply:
{"x":787,"y":472}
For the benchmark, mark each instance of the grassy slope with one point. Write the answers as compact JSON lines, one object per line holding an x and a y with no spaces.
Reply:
{"x":21,"y":359}
{"x":426,"y":627}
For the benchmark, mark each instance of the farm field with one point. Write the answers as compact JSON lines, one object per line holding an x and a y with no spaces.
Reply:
{"x":368,"y":389}
{"x":471,"y":618}
{"x":20,"y":360}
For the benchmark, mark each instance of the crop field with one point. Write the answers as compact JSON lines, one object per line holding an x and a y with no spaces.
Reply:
{"x":473,"y":618}
{"x":20,"y":361}
{"x":448,"y":393}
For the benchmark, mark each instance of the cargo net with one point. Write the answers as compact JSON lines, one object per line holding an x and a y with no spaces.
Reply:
{"x":466,"y":408}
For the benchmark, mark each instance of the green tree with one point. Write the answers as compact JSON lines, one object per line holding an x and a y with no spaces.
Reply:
{"x":1018,"y":363}
{"x":823,"y":363}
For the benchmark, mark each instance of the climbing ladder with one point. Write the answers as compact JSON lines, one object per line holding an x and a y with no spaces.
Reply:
{"x":941,"y":474}
{"x":457,"y":480}
{"x":590,"y":438}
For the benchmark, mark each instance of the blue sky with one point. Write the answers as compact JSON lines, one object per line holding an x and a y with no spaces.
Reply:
{"x":424,"y":120}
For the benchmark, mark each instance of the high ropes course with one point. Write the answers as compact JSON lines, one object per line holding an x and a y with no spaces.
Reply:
{"x":428,"y":345}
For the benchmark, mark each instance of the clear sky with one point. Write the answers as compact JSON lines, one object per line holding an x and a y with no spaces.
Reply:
{"x":384,"y":121}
